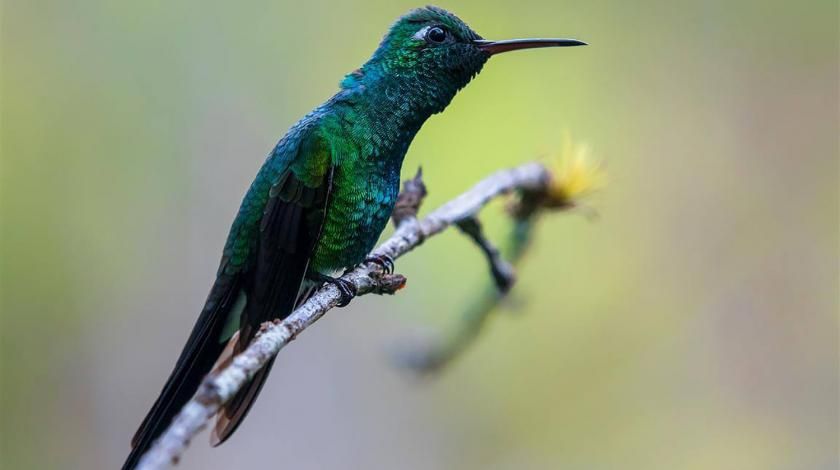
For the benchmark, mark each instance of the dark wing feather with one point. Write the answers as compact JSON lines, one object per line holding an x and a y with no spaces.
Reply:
{"x":289,"y":230}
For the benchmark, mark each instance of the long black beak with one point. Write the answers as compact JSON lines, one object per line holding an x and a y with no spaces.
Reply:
{"x":497,"y":47}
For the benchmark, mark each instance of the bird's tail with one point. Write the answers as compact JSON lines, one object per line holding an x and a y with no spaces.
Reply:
{"x":235,"y":410}
{"x":201,"y":352}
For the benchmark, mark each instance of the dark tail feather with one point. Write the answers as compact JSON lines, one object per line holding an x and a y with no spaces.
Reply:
{"x":200,"y":353}
{"x":235,"y":411}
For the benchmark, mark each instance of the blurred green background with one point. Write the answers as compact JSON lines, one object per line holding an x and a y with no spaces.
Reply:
{"x":692,"y":326}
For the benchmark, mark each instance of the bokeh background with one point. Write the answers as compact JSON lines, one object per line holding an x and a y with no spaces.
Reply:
{"x":693,"y":325}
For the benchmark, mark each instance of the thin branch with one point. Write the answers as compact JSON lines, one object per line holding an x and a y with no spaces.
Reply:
{"x":410,"y":199}
{"x":431,"y":354}
{"x":503,"y":273}
{"x":368,"y":278}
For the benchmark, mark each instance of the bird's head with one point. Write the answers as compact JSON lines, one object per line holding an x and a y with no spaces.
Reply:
{"x":436,"y":53}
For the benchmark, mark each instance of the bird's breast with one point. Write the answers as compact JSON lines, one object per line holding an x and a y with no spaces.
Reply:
{"x":360,"y":204}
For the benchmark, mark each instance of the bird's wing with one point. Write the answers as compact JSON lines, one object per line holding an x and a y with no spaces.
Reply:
{"x":290,"y":226}
{"x":263,"y":265}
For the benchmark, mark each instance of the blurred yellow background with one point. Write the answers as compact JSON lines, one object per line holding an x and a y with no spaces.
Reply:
{"x":692,"y":326}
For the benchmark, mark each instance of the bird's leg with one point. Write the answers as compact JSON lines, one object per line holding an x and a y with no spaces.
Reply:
{"x":383,"y":261}
{"x":346,"y":289}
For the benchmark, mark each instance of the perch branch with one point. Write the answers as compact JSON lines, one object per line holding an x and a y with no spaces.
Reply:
{"x":368,"y":278}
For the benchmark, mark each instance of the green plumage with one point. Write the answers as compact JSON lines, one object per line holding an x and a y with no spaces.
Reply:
{"x":364,"y":131}
{"x":321,"y":199}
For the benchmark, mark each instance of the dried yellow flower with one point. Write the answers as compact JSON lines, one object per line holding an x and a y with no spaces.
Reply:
{"x":574,"y":174}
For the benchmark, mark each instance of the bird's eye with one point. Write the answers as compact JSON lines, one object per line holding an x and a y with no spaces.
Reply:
{"x":436,"y":34}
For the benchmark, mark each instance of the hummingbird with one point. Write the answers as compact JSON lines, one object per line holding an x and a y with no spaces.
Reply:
{"x":321,"y":199}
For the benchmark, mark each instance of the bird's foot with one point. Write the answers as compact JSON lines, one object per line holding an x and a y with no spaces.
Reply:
{"x":346,"y":289}
{"x":383,"y":261}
